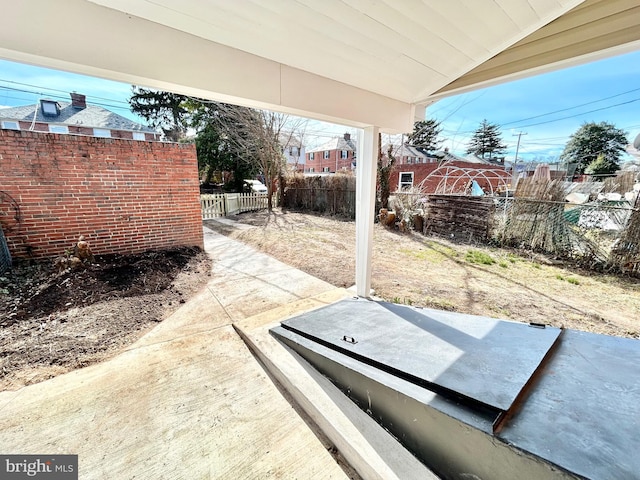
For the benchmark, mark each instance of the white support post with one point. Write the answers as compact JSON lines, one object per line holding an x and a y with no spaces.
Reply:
{"x":366,"y":170}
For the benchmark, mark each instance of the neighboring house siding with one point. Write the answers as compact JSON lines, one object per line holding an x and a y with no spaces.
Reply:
{"x":89,"y":131}
{"x":296,"y":157}
{"x":124,"y":196}
{"x":81,"y":130}
{"x":37,"y":127}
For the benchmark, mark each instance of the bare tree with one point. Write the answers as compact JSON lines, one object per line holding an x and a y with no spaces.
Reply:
{"x":257,"y":135}
{"x":292,"y":141}
{"x":385,"y":165}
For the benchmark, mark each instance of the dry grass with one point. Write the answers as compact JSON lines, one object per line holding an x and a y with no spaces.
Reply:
{"x":436,"y":273}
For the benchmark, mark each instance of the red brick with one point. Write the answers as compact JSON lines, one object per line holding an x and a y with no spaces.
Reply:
{"x":124,"y":196}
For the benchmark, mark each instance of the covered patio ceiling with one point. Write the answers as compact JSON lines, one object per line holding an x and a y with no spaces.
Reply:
{"x":371,"y":64}
{"x":356,"y":62}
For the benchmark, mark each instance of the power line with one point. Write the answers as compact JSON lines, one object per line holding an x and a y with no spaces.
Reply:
{"x":42,"y":94}
{"x":57,"y":90}
{"x":582,"y":113}
{"x":564,"y":110}
{"x":571,"y":108}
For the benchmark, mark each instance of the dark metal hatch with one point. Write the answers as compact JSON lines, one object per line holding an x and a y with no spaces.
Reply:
{"x":477,"y":360}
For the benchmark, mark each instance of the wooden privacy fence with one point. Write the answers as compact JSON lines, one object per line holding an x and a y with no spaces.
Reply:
{"x":334,"y":201}
{"x":461,"y":216}
{"x":223,"y":204}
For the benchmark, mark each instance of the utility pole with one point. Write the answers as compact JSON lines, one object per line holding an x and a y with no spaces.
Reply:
{"x":514,"y":174}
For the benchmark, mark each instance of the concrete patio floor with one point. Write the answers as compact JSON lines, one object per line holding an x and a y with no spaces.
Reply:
{"x":190,"y":400}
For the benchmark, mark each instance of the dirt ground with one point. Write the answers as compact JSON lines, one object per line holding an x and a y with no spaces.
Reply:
{"x":433,"y":272}
{"x":53,"y":322}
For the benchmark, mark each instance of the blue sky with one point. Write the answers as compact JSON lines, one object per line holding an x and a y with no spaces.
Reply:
{"x":576,"y":92}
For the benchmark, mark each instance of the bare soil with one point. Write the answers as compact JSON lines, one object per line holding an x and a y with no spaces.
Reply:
{"x":53,"y":322}
{"x":434,"y":272}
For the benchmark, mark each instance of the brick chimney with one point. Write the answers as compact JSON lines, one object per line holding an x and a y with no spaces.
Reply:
{"x":78,"y":101}
{"x":347,"y":136}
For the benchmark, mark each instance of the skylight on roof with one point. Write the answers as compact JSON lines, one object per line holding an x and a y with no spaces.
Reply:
{"x":49,"y":108}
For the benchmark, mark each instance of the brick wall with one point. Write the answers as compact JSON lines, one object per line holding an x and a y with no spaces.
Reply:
{"x":495,"y":174}
{"x":124,"y":196}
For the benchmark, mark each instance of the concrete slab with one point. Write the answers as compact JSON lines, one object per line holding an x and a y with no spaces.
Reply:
{"x":195,"y":407}
{"x":202,"y":313}
{"x":188,"y":400}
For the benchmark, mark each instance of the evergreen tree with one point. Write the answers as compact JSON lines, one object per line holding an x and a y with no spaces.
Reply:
{"x":486,"y":141}
{"x":164,"y":110}
{"x":425,"y":135}
{"x":592,"y":140}
{"x":228,"y":137}
{"x":602,"y":166}
{"x":214,"y":155}
{"x":223,"y":140}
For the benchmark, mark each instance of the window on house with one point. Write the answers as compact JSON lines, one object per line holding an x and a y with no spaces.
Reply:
{"x":139,"y":136}
{"x":325,"y":169}
{"x":294,"y":151}
{"x":344,"y":154}
{"x":326,"y":154}
{"x":49,"y":108}
{"x":311,"y":169}
{"x":11,"y":125}
{"x":311,"y":156}
{"x":58,"y":129}
{"x":405,"y":181}
{"x":101,"y":132}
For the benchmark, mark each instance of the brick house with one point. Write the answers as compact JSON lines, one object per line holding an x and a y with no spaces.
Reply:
{"x":74,"y":118}
{"x":338,"y":154}
{"x":441,"y":165}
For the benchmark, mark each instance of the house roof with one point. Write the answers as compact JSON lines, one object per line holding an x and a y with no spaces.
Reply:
{"x":404,"y":151}
{"x":337,"y":143}
{"x":287,"y":140}
{"x":471,"y":158}
{"x":92,"y":116}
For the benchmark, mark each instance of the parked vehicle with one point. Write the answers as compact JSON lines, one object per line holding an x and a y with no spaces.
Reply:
{"x":254,"y":186}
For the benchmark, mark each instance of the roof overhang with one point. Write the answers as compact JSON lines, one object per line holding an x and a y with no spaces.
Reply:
{"x":355,"y":62}
{"x":593,"y":30}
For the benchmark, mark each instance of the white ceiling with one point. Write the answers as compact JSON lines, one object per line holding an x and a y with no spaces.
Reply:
{"x":358,"y":62}
{"x":403,"y":49}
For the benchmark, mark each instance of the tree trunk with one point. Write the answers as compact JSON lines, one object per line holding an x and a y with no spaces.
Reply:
{"x":269,"y":182}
